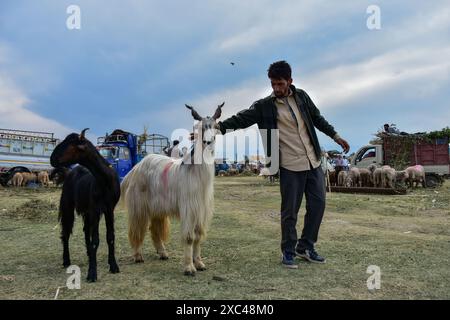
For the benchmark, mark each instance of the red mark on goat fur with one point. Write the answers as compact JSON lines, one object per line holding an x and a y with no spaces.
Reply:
{"x":165,"y":174}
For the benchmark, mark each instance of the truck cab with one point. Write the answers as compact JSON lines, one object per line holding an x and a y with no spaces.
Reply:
{"x":367,"y":155}
{"x":118,"y":157}
{"x":120,"y":150}
{"x":123,"y":150}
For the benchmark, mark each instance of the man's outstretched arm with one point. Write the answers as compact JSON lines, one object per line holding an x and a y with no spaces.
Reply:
{"x":243,"y":119}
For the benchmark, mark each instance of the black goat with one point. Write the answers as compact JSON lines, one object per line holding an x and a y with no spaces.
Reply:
{"x":92,"y":188}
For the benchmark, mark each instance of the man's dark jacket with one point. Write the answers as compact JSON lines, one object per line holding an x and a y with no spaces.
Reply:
{"x":264,"y":113}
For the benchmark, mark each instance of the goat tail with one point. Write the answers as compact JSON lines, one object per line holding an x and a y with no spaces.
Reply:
{"x":138,"y":218}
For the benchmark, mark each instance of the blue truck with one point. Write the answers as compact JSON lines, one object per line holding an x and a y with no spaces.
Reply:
{"x":123,"y":150}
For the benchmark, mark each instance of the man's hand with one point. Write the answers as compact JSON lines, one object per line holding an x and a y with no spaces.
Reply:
{"x":193,"y":136}
{"x":343,"y":144}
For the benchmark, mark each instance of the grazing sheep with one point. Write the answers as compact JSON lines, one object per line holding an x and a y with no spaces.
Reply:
{"x":401,"y":176}
{"x":366,"y":177}
{"x":372,"y":168}
{"x":353,"y":178}
{"x":377,"y":178}
{"x":387,"y":177}
{"x":416,"y":174}
{"x":29,"y":177}
{"x":43,"y":178}
{"x":159,"y":187}
{"x":17,"y":179}
{"x":342,"y":177}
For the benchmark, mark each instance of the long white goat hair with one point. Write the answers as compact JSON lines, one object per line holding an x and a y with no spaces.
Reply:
{"x":161,"y":186}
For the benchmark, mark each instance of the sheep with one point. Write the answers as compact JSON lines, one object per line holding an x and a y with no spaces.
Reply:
{"x":17,"y":179}
{"x":401,"y":176}
{"x":158,"y":188}
{"x":366,"y":177}
{"x":28,"y":177}
{"x":92,"y":189}
{"x":387,"y":177}
{"x":353,"y":178}
{"x":377,"y":178}
{"x":372,"y":168}
{"x":333,"y":178}
{"x":342,"y":176}
{"x":416,"y":174}
{"x":43,"y":178}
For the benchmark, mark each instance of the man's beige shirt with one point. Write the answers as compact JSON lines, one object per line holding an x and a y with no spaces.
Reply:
{"x":296,"y":149}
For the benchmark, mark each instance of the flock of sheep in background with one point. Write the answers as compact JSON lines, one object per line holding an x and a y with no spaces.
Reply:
{"x":22,"y":179}
{"x":383,"y":177}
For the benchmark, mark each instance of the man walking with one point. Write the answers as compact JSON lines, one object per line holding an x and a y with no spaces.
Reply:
{"x":292,"y":112}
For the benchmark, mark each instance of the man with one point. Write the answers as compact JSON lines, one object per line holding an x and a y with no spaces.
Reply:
{"x":174,"y":151}
{"x":389,"y":129}
{"x":292,"y":112}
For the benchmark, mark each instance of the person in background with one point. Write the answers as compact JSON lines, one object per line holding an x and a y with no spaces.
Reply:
{"x":175,"y":151}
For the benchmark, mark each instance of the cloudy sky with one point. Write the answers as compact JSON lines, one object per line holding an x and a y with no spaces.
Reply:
{"x":136,"y":63}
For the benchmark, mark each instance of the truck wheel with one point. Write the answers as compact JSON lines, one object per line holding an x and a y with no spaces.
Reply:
{"x":432,"y":181}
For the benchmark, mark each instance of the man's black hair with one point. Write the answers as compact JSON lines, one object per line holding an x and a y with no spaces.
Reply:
{"x":280,"y":70}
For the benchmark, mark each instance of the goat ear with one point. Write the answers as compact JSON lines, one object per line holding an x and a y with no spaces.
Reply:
{"x":194,"y":113}
{"x":82,"y":137}
{"x":218,"y":112}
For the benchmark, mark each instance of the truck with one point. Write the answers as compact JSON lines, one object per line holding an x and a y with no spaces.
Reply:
{"x":123,"y":150}
{"x":402,"y":151}
{"x":24,"y":151}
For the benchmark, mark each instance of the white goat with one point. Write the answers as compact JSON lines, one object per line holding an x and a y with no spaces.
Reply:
{"x":159,"y":187}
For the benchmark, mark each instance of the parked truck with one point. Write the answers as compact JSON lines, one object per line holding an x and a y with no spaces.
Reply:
{"x":123,"y":150}
{"x":402,"y":151}
{"x":24,"y":151}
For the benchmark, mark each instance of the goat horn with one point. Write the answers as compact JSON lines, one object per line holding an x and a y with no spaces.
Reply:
{"x":218,"y":112}
{"x":194,"y":113}
{"x":82,"y":133}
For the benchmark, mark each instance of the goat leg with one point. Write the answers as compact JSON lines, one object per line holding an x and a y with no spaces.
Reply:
{"x":110,"y":238}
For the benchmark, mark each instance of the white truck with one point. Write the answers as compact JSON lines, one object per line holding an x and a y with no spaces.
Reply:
{"x":397,"y":151}
{"x":24,"y":151}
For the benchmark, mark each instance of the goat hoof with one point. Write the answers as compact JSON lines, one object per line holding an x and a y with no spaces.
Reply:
{"x":189,"y":273}
{"x":92,"y":277}
{"x":114,"y":268}
{"x":203,"y":268}
{"x":163,"y":257}
{"x":138,"y":258}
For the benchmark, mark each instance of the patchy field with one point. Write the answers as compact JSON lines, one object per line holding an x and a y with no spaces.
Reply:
{"x":407,"y":236}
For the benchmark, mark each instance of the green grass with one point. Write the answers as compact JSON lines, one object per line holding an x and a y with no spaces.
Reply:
{"x":407,"y":236}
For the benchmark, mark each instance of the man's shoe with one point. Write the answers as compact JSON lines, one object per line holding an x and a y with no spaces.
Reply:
{"x":288,"y":261}
{"x":310,"y":255}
